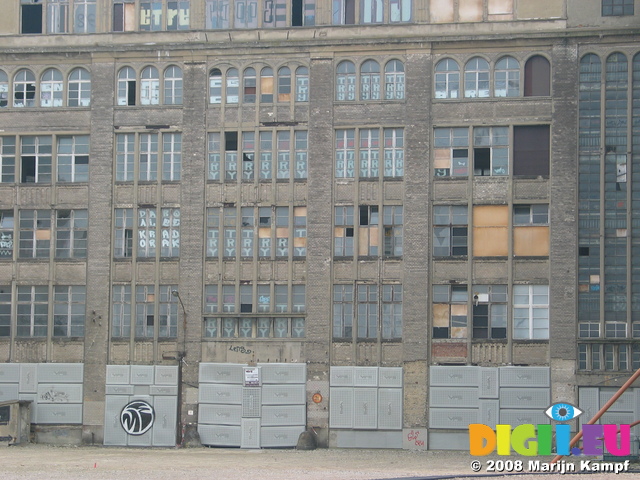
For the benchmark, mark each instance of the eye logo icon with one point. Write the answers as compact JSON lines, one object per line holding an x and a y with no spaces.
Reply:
{"x":137,"y":417}
{"x":562,"y":412}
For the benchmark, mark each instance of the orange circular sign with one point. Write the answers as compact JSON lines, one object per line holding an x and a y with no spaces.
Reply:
{"x":317,"y":398}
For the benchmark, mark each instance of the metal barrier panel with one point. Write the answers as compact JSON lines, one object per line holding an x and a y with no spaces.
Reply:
{"x":463,"y":376}
{"x":341,"y":407}
{"x":625,"y":403}
{"x":220,"y":393}
{"x":280,"y":436}
{"x":142,"y":375}
{"x":390,"y":408}
{"x":523,"y":398}
{"x":280,"y":373}
{"x":341,"y":377}
{"x":220,"y":414}
{"x":220,"y":435}
{"x":59,"y":393}
{"x":464,"y":397}
{"x":28,"y":377}
{"x":250,"y":437}
{"x":166,"y":375}
{"x":284,"y":415}
{"x":365,"y":376}
{"x":114,"y":434}
{"x":221,"y":373}
{"x":448,"y":441}
{"x":251,"y":401}
{"x":143,"y":440}
{"x":54,"y":413}
{"x":284,"y":394}
{"x":8,"y":392}
{"x":452,"y":418}
{"x":9,"y":372}
{"x":365,"y":408}
{"x":60,"y":372}
{"x":524,"y":377}
{"x":517,"y":417}
{"x":390,"y":377}
{"x":118,"y":375}
{"x":163,"y":433}
{"x":163,"y":390}
{"x":488,"y":382}
{"x":489,"y":412}
{"x":589,"y":403}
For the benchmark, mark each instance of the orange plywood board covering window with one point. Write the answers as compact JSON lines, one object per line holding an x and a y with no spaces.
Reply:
{"x":531,"y":241}
{"x":490,"y":242}
{"x":440,"y":315}
{"x":442,"y":158}
{"x":490,"y":215}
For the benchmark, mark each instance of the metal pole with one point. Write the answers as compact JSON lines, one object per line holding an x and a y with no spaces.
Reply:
{"x":601,"y":412}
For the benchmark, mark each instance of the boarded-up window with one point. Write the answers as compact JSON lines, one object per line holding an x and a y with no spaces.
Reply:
{"x":490,"y":237}
{"x":450,"y":311}
{"x":531,"y":150}
{"x":537,"y":77}
{"x":531,"y":241}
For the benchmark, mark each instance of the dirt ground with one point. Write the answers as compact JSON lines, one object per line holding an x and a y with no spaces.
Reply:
{"x":44,"y":462}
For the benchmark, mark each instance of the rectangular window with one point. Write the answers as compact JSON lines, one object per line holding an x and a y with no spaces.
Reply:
{"x":248,"y":155}
{"x":213,"y":231}
{"x":490,"y":151}
{"x":301,"y":148}
{"x":170,"y":232}
{"x":588,"y":330}
{"x":171,"y":156}
{"x":230,"y":231}
{"x":228,"y":298}
{"x":214,"y":156}
{"x":32,"y":311}
{"x":151,"y":16}
{"x":231,"y":155}
{"x":392,"y":220}
{"x":369,"y":152}
{"x":31,"y":17}
{"x":274,"y":13}
{"x":344,"y":232}
{"x":247,"y":247}
{"x":217,"y":14}
{"x":372,"y":11}
{"x":211,"y":298}
{"x":145,"y":311}
{"x":531,"y":312}
{"x":266,"y":155}
{"x":344,"y":12}
{"x":123,"y":237}
{"x":451,"y":152}
{"x":392,"y":312}
{"x":7,"y":159}
{"x":531,"y":147}
{"x":121,"y":316}
{"x":6,"y":234}
{"x":393,"y":152}
{"x":168,"y":312}
{"x":531,"y":230}
{"x":343,"y":312}
{"x":283,"y":147}
{"x":367,"y":316}
{"x":124,"y":16}
{"x":400,"y":10}
{"x":450,"y":311}
{"x":73,"y":158}
{"x":125,"y":154}
{"x":617,"y":7}
{"x":178,"y":15}
{"x":84,"y":16}
{"x":148,"y":157}
{"x":35,"y":233}
{"x":57,"y":16}
{"x":299,"y":231}
{"x":5,"y":311}
{"x":345,"y":153}
{"x":71,"y":233}
{"x":68,"y":311}
{"x":35,"y":159}
{"x":489,"y":311}
{"x":450,"y":230}
{"x":147,"y":223}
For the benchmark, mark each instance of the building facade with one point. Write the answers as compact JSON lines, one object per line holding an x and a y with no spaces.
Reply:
{"x":407,"y":215}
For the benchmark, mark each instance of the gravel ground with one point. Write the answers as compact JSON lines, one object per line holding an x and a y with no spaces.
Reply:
{"x":44,"y":462}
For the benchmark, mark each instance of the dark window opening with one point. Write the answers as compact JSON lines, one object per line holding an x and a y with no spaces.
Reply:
{"x":531,"y":150}
{"x":369,"y":215}
{"x":128,"y":242}
{"x":150,"y":320}
{"x":440,"y":332}
{"x":82,"y":160}
{"x":131,"y":92}
{"x":482,"y":161}
{"x":583,"y":251}
{"x":231,"y":141}
{"x":617,"y":7}
{"x":5,"y":415}
{"x":349,"y":12}
{"x":118,"y":17}
{"x":28,"y":169}
{"x":246,"y":307}
{"x":459,"y":240}
{"x":481,"y":321}
{"x":31,"y":18}
{"x":349,"y":231}
{"x":537,"y":77}
{"x":297,"y":10}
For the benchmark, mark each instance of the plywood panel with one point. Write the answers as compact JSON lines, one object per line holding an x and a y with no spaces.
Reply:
{"x":490,"y":215}
{"x":441,"y":11}
{"x":440,"y":315}
{"x":490,"y":242}
{"x":470,"y":10}
{"x":532,"y":241}
{"x":500,"y":7}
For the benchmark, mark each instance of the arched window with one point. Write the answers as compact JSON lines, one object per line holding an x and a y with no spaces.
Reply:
{"x":150,"y":86}
{"x":266,"y":85}
{"x":215,"y":86}
{"x":447,"y":79}
{"x":51,"y":88}
{"x":249,"y":86}
{"x":4,"y":89}
{"x":346,"y":81}
{"x":537,"y":77}
{"x":302,"y":84}
{"x":233,"y":86}
{"x":476,"y":78}
{"x":284,"y":84}
{"x":173,"y":85}
{"x":394,"y":80}
{"x":370,"y":80}
{"x":126,"y":86}
{"x":24,"y":89}
{"x":506,"y":78}
{"x":79,"y":88}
